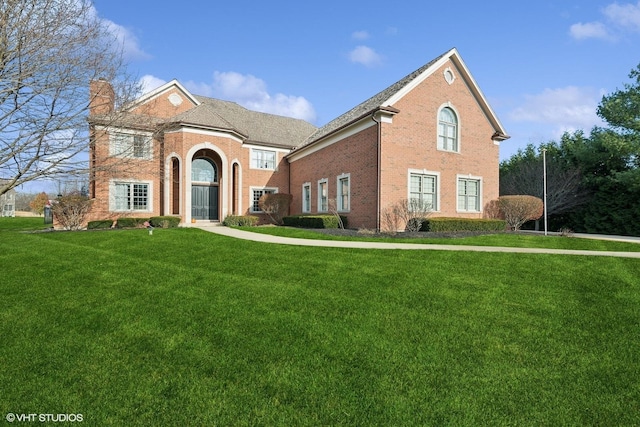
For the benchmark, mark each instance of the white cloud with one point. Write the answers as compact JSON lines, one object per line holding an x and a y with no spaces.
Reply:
{"x":149,"y":83}
{"x":366,"y":56}
{"x":360,"y":35}
{"x":251,"y":92}
{"x":563,"y":109}
{"x":127,"y":40}
{"x":624,"y":15}
{"x":619,"y":18}
{"x":590,"y":30}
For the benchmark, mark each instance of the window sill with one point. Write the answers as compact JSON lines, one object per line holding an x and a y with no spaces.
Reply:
{"x":449,"y":151}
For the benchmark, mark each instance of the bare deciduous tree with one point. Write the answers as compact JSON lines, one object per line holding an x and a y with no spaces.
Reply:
{"x":333,"y":210}
{"x":49,"y":52}
{"x":407,"y":213}
{"x":525,"y":175}
{"x":275,"y":205}
{"x":38,"y":203}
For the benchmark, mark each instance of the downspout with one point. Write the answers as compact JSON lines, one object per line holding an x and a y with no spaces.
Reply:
{"x":379,"y":168}
{"x":289,"y":183}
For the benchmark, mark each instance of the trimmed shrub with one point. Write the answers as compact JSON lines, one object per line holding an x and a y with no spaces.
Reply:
{"x":99,"y":225}
{"x":240,"y":221}
{"x":462,"y":224}
{"x":519,"y":209}
{"x":71,"y":210}
{"x":314,"y":221}
{"x":131,"y":222}
{"x":165,"y":221}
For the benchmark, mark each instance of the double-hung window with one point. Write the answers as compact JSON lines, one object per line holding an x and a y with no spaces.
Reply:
{"x":137,"y":146}
{"x":256,"y":194}
{"x":323,"y":196}
{"x":131,"y":196}
{"x":423,"y":191}
{"x":306,"y":197}
{"x":469,"y":194}
{"x":344,"y":190}
{"x":263,"y":159}
{"x":447,"y":130}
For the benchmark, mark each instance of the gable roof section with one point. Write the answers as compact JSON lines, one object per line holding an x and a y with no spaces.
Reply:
{"x":385,"y":99}
{"x":422,"y":73}
{"x":162,"y":89}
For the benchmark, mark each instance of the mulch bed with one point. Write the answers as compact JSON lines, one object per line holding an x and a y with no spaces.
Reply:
{"x":402,"y":235}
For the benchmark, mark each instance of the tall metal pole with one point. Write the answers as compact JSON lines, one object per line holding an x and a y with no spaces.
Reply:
{"x":544,"y":182}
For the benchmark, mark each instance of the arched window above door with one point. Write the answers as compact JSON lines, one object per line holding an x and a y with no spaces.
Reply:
{"x":204,"y":170}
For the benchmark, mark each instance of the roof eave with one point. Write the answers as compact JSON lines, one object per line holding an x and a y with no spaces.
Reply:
{"x":384,"y":111}
{"x":175,"y":125}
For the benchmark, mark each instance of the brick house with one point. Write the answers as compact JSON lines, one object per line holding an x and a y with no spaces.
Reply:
{"x":431,"y":136}
{"x":8,"y":202}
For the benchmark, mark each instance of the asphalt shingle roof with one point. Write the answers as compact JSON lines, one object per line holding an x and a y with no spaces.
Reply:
{"x":258,"y":128}
{"x":368,"y":106}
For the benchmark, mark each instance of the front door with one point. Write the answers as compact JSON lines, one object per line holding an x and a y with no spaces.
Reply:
{"x":204,"y":202}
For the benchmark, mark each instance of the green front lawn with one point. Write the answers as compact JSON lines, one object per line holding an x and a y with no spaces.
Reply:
{"x":189,"y":328}
{"x":23,"y":224}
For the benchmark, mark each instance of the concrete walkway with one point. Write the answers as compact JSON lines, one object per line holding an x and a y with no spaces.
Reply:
{"x":265,"y":238}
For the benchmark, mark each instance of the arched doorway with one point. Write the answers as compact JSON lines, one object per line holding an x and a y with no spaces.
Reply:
{"x":205,"y":186}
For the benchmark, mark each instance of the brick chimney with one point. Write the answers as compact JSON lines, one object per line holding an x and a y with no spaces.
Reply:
{"x":102,"y":97}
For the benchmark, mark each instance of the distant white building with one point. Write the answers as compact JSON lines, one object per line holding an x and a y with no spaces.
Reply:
{"x":8,"y":203}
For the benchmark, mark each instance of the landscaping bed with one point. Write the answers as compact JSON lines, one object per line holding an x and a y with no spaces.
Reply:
{"x":402,"y":235}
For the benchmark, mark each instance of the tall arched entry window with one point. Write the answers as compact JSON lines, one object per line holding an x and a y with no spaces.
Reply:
{"x":204,"y":189}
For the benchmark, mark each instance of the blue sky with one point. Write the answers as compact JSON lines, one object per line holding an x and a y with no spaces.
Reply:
{"x":543,"y":65}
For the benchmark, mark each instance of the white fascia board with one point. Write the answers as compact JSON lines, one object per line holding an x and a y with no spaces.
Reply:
{"x":422,"y":77}
{"x":266,"y":148}
{"x":217,"y":133}
{"x":160,"y":90}
{"x":477,"y":92}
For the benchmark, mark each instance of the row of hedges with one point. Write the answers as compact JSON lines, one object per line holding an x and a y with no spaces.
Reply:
{"x":462,"y":224}
{"x":240,"y":221}
{"x":156,"y":221}
{"x":314,"y":221}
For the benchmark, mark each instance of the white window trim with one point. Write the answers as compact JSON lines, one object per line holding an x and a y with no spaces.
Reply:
{"x":275,"y":159}
{"x":319,"y":207}
{"x":112,"y":195}
{"x":458,"y":128}
{"x":480,"y":185}
{"x":425,"y":172}
{"x":113,"y":151}
{"x":339,"y":206}
{"x":252,"y":189}
{"x":306,"y":185}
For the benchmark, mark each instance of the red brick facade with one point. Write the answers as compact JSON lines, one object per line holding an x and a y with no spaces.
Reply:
{"x":365,"y":164}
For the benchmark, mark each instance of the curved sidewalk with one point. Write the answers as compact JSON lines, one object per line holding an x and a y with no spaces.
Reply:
{"x":266,"y":238}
